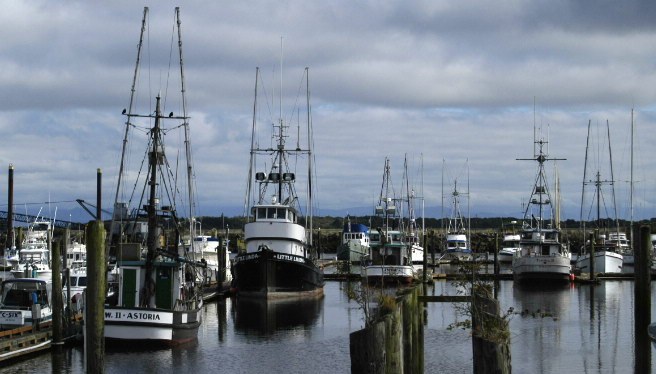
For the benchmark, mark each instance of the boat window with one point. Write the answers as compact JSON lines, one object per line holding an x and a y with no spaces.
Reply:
{"x":282,"y":213}
{"x":271,"y":213}
{"x":375,"y":237}
{"x":261,"y":213}
{"x":82,"y":281}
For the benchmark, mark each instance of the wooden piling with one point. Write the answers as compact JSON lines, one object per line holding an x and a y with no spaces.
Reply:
{"x":490,"y":336}
{"x":593,"y":237}
{"x":57,"y":302}
{"x":642,"y":300}
{"x":393,"y":343}
{"x":95,"y":297}
{"x":10,"y":211}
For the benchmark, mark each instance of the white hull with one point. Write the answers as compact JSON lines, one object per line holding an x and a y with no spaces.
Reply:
{"x":152,"y":324}
{"x":389,"y":273}
{"x":506,"y":254}
{"x":541,"y":267}
{"x":604,"y":262}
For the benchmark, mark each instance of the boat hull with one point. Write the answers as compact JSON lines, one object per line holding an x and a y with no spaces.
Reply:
{"x":506,"y":254}
{"x":353,"y":253}
{"x":377,"y":274}
{"x":271,"y":274}
{"x":151,"y":324}
{"x":604,"y":262}
{"x":541,"y":268}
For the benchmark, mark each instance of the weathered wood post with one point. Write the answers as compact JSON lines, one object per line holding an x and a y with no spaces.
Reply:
{"x":424,"y":260}
{"x":642,"y":297}
{"x":496,"y":265}
{"x":593,"y":236}
{"x":10,"y":210}
{"x":95,"y":292}
{"x":490,"y":336}
{"x":57,"y":302}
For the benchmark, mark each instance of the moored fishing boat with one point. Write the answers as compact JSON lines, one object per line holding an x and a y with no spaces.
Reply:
{"x":159,"y":297}
{"x":355,"y":246}
{"x":509,"y":245}
{"x":607,"y":253}
{"x":457,"y":246}
{"x":34,"y":255}
{"x":391,"y":260}
{"x":24,"y":302}
{"x":542,"y":257}
{"x":280,"y":260}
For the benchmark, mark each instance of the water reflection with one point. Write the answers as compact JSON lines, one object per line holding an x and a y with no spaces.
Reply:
{"x":265,"y":318}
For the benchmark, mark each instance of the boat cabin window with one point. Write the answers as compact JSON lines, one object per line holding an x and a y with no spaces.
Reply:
{"x":24,"y":294}
{"x":375,"y":237}
{"x":261,"y":213}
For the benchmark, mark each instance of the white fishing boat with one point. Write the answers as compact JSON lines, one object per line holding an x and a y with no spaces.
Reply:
{"x":216,"y":255}
{"x":412,"y":232}
{"x":76,"y":255}
{"x":159,"y":297}
{"x":34,"y":254}
{"x":542,"y":257}
{"x":509,"y":246}
{"x":25,"y":302}
{"x":280,"y":260}
{"x":457,"y":246}
{"x":391,"y":260}
{"x":607,"y":253}
{"x":355,"y":245}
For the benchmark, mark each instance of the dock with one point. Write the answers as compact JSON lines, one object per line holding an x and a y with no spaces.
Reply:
{"x":24,"y":341}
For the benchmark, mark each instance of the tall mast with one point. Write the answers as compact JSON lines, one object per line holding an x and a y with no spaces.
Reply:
{"x":128,"y":113}
{"x":310,"y":208}
{"x":187,"y":141}
{"x":631,"y":184}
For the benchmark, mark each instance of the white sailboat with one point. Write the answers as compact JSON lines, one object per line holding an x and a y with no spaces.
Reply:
{"x":542,"y":257}
{"x":607,"y":254}
{"x":159,"y":297}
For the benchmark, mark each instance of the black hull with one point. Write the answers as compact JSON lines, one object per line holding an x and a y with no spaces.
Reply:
{"x":271,"y":274}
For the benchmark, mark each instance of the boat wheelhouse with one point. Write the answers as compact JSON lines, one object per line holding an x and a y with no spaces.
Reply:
{"x":355,"y":246}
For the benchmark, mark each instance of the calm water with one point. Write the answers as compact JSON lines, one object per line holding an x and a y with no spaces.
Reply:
{"x":586,"y":330}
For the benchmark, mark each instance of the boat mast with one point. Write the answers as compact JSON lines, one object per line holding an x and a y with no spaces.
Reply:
{"x":585,"y":170}
{"x":631,"y":184}
{"x":310,"y":207}
{"x":187,"y":140}
{"x":251,"y":165}
{"x":612,"y":181}
{"x":128,"y":113}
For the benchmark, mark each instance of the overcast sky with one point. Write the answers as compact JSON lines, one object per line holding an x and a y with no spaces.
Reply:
{"x":449,"y":80}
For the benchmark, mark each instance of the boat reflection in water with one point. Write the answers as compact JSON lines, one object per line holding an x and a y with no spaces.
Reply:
{"x":266,"y":318}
